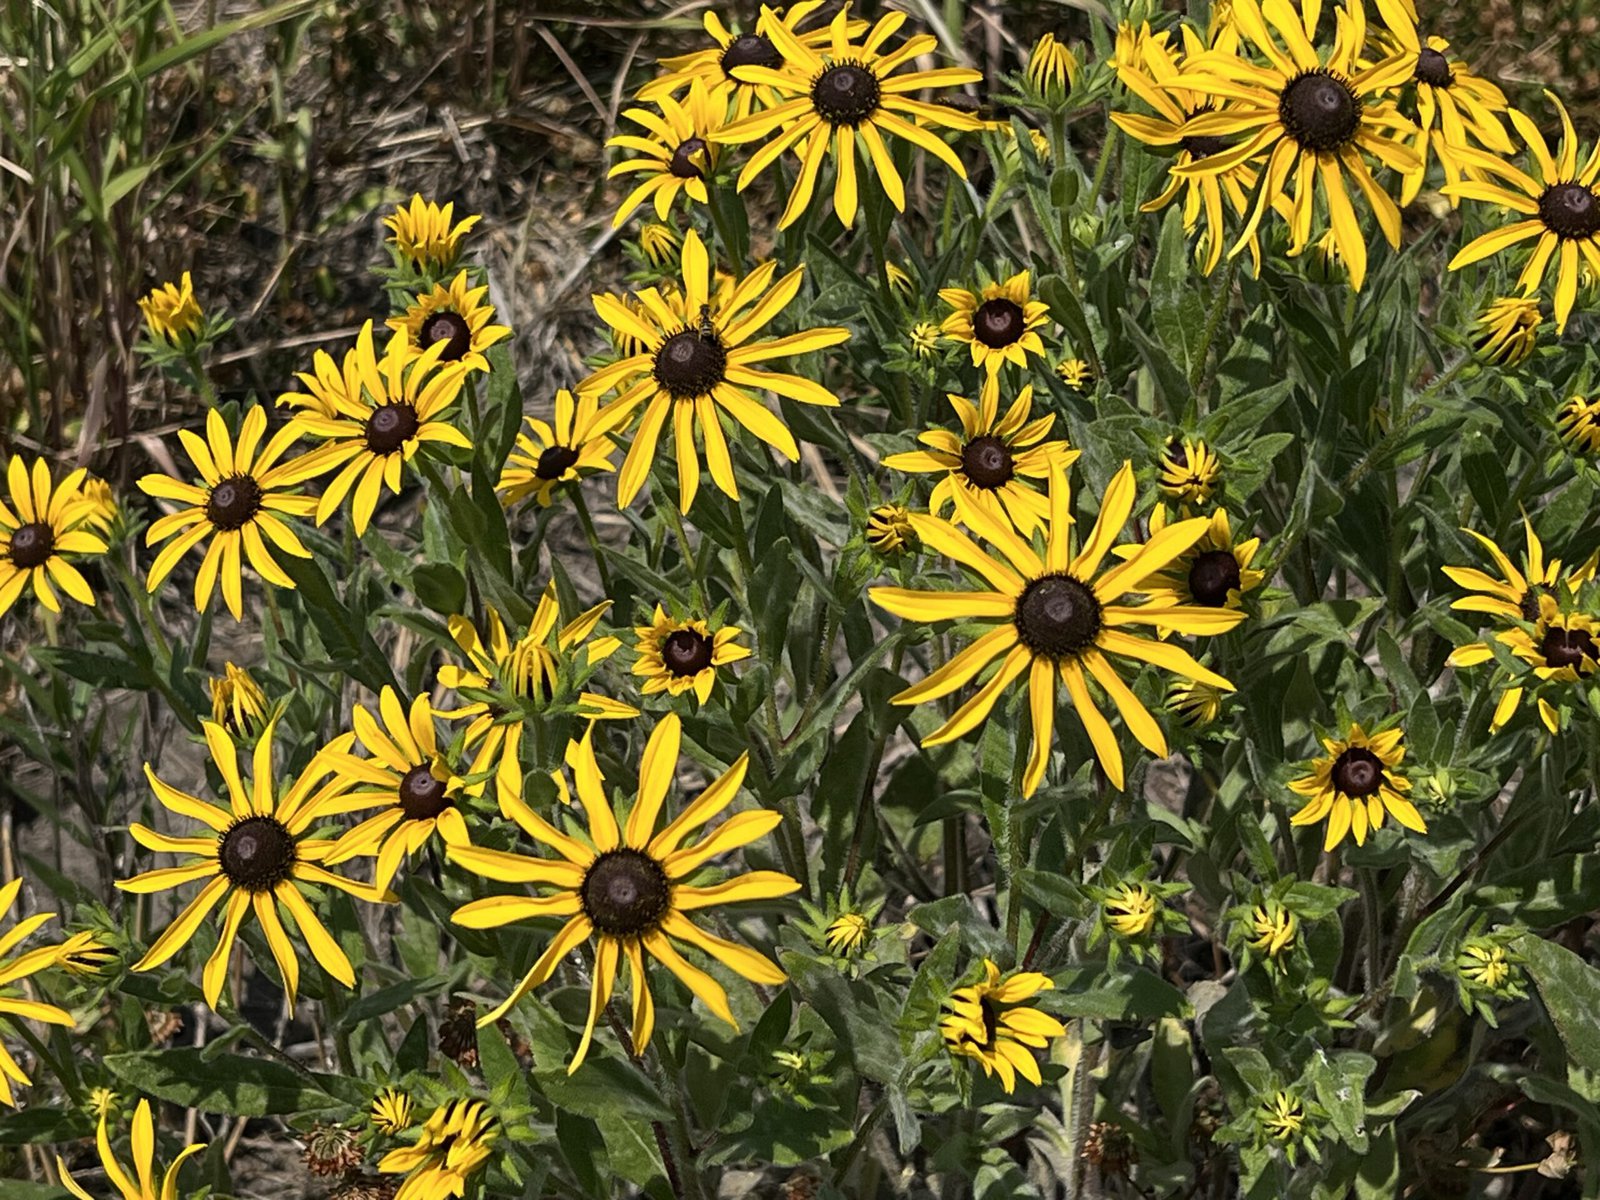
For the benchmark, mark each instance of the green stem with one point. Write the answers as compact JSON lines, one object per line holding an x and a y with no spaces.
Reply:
{"x":690,"y":558}
{"x":587,"y":521}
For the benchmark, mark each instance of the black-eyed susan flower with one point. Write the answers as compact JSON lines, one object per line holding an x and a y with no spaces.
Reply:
{"x":1075,"y":373}
{"x":1454,"y":107}
{"x":374,"y":430}
{"x":256,"y":853}
{"x":1355,"y":785}
{"x":1561,"y":649}
{"x":1272,"y":929}
{"x":1578,"y":422}
{"x":626,"y":885}
{"x":551,"y":454}
{"x":331,"y":1150}
{"x":105,"y":514}
{"x":1052,"y":67}
{"x":1515,"y":596}
{"x":43,"y":524}
{"x":842,"y":94}
{"x":424,"y":236}
{"x":391,"y":1111}
{"x":1194,"y":704}
{"x":172,"y":313}
{"x":508,"y":682}
{"x":85,"y":953}
{"x":847,"y":934}
{"x":1000,"y":323}
{"x":1215,"y":572}
{"x":677,"y":158}
{"x":15,"y":968}
{"x":990,"y":1022}
{"x":237,"y":702}
{"x":695,"y":366}
{"x":239,"y":502}
{"x":452,"y":1146}
{"x":676,"y":656}
{"x":715,"y":65}
{"x":1314,"y":115}
{"x":140,"y":1182}
{"x":993,"y":459}
{"x":658,"y":243}
{"x":102,"y":1100}
{"x":1059,"y":615}
{"x":889,"y":529}
{"x":456,"y":315}
{"x":1282,"y":1116}
{"x":924,"y":339}
{"x":405,"y":775}
{"x":1508,"y":330}
{"x":899,"y":279}
{"x":1129,"y":910}
{"x":1191,"y":472}
{"x":1148,"y":67}
{"x":1560,"y":210}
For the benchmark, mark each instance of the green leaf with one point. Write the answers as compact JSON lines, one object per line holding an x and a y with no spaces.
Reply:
{"x":36,"y":1125}
{"x":233,"y":1084}
{"x":1570,"y":989}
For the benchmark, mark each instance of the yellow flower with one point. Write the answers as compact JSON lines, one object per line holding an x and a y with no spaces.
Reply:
{"x":1283,"y":1116}
{"x":1485,"y":964}
{"x":1195,"y":704}
{"x":990,"y":463}
{"x":678,"y":656}
{"x":424,"y":236}
{"x":458,"y":317}
{"x":1454,"y":107}
{"x":899,"y":281}
{"x":1508,"y":330}
{"x":378,"y":427}
{"x":105,"y":514}
{"x":452,"y":1147}
{"x":1190,"y":471}
{"x":1562,"y":649}
{"x":140,"y":1183}
{"x":1355,"y":785}
{"x":679,"y":156}
{"x":1056,"y":616}
{"x":1130,"y":910}
{"x":1215,"y":572}
{"x":407,"y":775}
{"x":102,"y":1100}
{"x":240,"y":496}
{"x":172,"y":312}
{"x":84,"y":953}
{"x":627,"y":885}
{"x":889,"y":529}
{"x":18,"y":1008}
{"x":1516,"y":594}
{"x":988,"y":1021}
{"x":1579,"y":425}
{"x":999,"y":326}
{"x":40,"y":526}
{"x":846,"y":935}
{"x":525,"y":678}
{"x":843,"y":94}
{"x":1052,"y":66}
{"x":715,"y":65}
{"x":659,"y":243}
{"x":1272,"y":929}
{"x":391,"y":1111}
{"x":255,"y":853}
{"x":695,"y":366}
{"x":1560,"y":209}
{"x":1075,"y":373}
{"x":924,"y":339}
{"x":1313,"y":115}
{"x":549,"y":455}
{"x":237,"y":702}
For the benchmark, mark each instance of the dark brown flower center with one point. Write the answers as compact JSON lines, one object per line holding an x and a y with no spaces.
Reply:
{"x":1433,"y":68}
{"x":1529,"y":604}
{"x":1057,"y":617}
{"x":422,"y":794}
{"x":750,"y":50}
{"x":999,"y":322}
{"x":234,"y":502}
{"x":625,"y":893}
{"x":450,"y":328}
{"x":1570,"y":211}
{"x":1212,"y":576}
{"x":31,"y":545}
{"x":1358,"y":772}
{"x":555,"y":462}
{"x":987,"y":462}
{"x":1568,"y":648}
{"x":846,"y":93}
{"x":391,"y":427}
{"x":257,"y":853}
{"x":1202,"y":146}
{"x":686,"y":652}
{"x":691,"y":363}
{"x":686,"y":159}
{"x":1320,"y":111}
